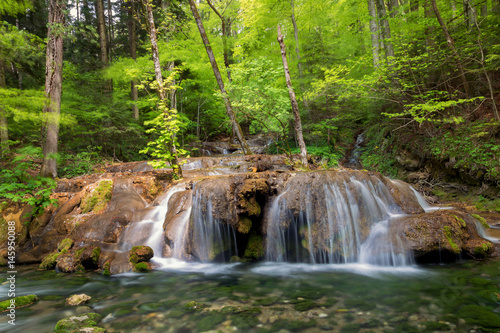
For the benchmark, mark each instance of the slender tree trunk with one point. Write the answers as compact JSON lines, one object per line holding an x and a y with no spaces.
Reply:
{"x":374,"y":32}
{"x":86,"y":12}
{"x":4,"y":129}
{"x":293,"y":100}
{"x":218,"y":77}
{"x":132,"y":42}
{"x":296,"y":35}
{"x":159,"y":79}
{"x":451,"y":45}
{"x":226,"y":32}
{"x":385,"y":28}
{"x":53,"y":86}
{"x":103,"y":42}
{"x":111,"y":32}
{"x":393,"y":6}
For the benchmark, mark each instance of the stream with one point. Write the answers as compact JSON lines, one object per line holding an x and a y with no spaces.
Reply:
{"x":266,"y":297}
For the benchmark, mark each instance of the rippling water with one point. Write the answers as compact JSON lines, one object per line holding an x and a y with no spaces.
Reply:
{"x":267,"y":297}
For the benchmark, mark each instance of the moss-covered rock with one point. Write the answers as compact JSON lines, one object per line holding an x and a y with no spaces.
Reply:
{"x":140,"y":254}
{"x":97,"y":199}
{"x":18,"y":302}
{"x":49,"y":262}
{"x":194,"y":306}
{"x":141,"y":267}
{"x":244,"y":225}
{"x":481,"y":220}
{"x":77,"y":323}
{"x":255,"y":248}
{"x":65,"y":244}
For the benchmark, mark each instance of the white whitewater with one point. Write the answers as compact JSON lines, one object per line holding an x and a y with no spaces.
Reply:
{"x":358,"y":216}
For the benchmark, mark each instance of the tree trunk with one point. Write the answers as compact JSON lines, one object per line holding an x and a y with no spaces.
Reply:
{"x":218,"y":77}
{"x":111,"y":32}
{"x":159,"y":79}
{"x":86,"y":12}
{"x":293,"y":100}
{"x":385,"y":29}
{"x":225,"y":34}
{"x":132,"y":42}
{"x":103,"y":42}
{"x":4,"y":129}
{"x":296,"y":35}
{"x":53,"y":87}
{"x":451,"y":45}
{"x":374,"y":32}
{"x":393,"y":8}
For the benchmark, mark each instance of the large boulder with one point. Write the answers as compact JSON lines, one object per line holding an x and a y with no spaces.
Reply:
{"x":442,"y":236}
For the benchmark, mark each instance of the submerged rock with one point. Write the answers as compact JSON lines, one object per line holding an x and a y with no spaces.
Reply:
{"x":83,"y":323}
{"x":77,"y":299}
{"x":18,"y":302}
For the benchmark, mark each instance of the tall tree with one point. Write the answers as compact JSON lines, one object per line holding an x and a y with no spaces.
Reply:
{"x":296,"y":35}
{"x":451,"y":45}
{"x":293,"y":100}
{"x":226,"y":33}
{"x":384,"y":28}
{"x":103,"y":41}
{"x":132,"y":42}
{"x":4,"y":130}
{"x":168,"y":114}
{"x":53,"y":86}
{"x":372,"y":10}
{"x":220,"y":82}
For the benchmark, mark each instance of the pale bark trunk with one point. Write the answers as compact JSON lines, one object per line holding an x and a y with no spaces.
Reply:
{"x":4,"y":129}
{"x":103,"y":55}
{"x":293,"y":100}
{"x":111,"y":32}
{"x":159,"y":79}
{"x":134,"y":94}
{"x":296,"y":35}
{"x":218,"y":77}
{"x":225,"y":34}
{"x":53,"y":87}
{"x":374,"y":32}
{"x":451,"y":45}
{"x":385,"y":29}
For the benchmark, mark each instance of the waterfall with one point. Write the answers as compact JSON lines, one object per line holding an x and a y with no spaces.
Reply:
{"x":149,"y":231}
{"x":347,"y":223}
{"x":212,"y":240}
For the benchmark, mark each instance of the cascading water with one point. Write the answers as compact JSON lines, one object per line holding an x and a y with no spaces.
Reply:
{"x":212,"y":240}
{"x":149,"y":230}
{"x":348,"y":223}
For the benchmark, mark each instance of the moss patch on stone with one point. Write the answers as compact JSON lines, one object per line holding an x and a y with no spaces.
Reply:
{"x":97,"y":200}
{"x":65,"y":244}
{"x":477,"y":315}
{"x":244,"y":225}
{"x":481,"y":220}
{"x":194,"y":306}
{"x":76,"y":323}
{"x":141,"y":267}
{"x":105,"y":270}
{"x":449,"y":237}
{"x":255,"y":248}
{"x":140,"y":254}
{"x":19,"y":302}
{"x":483,"y":250}
{"x":49,"y":262}
{"x":305,"y":305}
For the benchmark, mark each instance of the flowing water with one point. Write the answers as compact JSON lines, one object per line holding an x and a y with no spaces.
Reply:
{"x":267,"y":297}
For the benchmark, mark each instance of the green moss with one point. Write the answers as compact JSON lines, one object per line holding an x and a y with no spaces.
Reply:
{"x":229,"y":310}
{"x":78,"y":254}
{"x":266,"y":301}
{"x":431,"y":326}
{"x":133,"y":259}
{"x":294,"y":325}
{"x":244,"y":225}
{"x":477,"y":315}
{"x":255,"y":248}
{"x":194,"y":306}
{"x":19,"y":302}
{"x":481,"y":220}
{"x":350,"y":328}
{"x":106,"y":271}
{"x":305,"y":305}
{"x":359,"y":304}
{"x":65,"y":244}
{"x":49,"y":262}
{"x":75,"y":323}
{"x":96,"y":253}
{"x":97,"y":200}
{"x":209,"y":322}
{"x":141,"y":267}
{"x":140,"y":254}
{"x":483,"y":250}
{"x":448,"y":234}
{"x":460,"y":220}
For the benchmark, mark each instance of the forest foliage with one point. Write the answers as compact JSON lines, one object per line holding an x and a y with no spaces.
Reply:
{"x":413,"y":83}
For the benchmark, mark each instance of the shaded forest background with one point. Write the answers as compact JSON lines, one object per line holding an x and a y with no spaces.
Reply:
{"x":419,"y":79}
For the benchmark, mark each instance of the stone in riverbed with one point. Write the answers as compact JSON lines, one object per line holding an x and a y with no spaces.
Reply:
{"x":77,"y":299}
{"x":84,"y":323}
